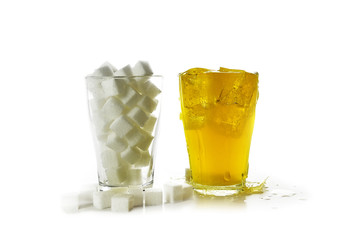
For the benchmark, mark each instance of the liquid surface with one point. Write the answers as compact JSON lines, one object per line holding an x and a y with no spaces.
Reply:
{"x":218,"y":114}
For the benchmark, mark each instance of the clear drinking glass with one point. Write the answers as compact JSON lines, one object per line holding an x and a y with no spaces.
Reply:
{"x":218,"y":114}
{"x":124,"y":115}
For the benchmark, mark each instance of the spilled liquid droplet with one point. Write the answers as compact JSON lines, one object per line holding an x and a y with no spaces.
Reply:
{"x":227,"y":176}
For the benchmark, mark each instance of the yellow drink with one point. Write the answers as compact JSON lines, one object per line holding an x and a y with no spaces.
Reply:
{"x":218,"y":113}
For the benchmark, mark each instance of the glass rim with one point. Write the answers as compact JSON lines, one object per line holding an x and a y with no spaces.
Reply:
{"x":120,"y":77}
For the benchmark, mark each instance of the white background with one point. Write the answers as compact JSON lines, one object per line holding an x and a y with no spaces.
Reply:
{"x":306,"y":131}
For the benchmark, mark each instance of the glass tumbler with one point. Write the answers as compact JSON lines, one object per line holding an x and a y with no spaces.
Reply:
{"x":124,"y":115}
{"x":218,"y":114}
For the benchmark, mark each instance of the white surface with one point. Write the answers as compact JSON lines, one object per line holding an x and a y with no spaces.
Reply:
{"x":307,"y":119}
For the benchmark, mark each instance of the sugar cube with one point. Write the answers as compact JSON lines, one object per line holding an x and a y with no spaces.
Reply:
{"x":122,"y":202}
{"x":116,"y":176}
{"x":144,"y":145}
{"x":125,"y":71}
{"x":138,"y":194}
{"x":131,"y":155}
{"x":153,"y":196}
{"x":149,"y":89}
{"x":105,"y":70}
{"x":121,"y":126}
{"x":141,"y":68}
{"x":102,"y":199}
{"x":139,"y":137}
{"x":173,"y":192}
{"x":116,"y":143}
{"x":145,"y":159}
{"x":130,"y":98}
{"x":109,"y":159}
{"x":96,"y":104}
{"x":113,"y":108}
{"x":187,"y":191}
{"x":150,"y":123}
{"x":134,"y":176}
{"x":147,"y":104}
{"x":137,"y":115}
{"x":187,"y":174}
{"x":114,"y":87}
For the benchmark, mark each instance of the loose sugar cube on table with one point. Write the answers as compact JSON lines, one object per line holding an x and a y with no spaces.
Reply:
{"x":113,"y":108}
{"x":102,"y":199}
{"x":122,"y":202}
{"x":187,"y":191}
{"x":142,"y":68}
{"x":138,"y":194}
{"x":114,"y":87}
{"x":125,"y":71}
{"x":137,"y":115}
{"x":147,"y":104}
{"x":116,"y":143}
{"x":131,"y":155}
{"x":153,"y":196}
{"x":121,"y":126}
{"x":173,"y":192}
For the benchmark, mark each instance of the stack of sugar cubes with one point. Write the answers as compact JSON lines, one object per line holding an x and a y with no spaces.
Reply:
{"x":122,"y":108}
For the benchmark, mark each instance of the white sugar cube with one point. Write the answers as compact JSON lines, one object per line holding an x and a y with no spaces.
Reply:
{"x":100,"y":122}
{"x":147,"y":104}
{"x":70,"y":202}
{"x":114,"y":87}
{"x":105,"y":70}
{"x":116,"y":176}
{"x":153,"y":196}
{"x":109,"y":159}
{"x":131,"y":155}
{"x":145,"y":159}
{"x":149,"y":89}
{"x":150,"y":123}
{"x":130,"y":98}
{"x":116,"y":143}
{"x":122,"y":202}
{"x":144,"y":145}
{"x":125,"y":71}
{"x":187,"y":191}
{"x":140,"y":138}
{"x":134,"y":176}
{"x":137,"y":115}
{"x":96,"y":104}
{"x":113,"y":108}
{"x":102,"y":199}
{"x":138,"y":194}
{"x":141,"y":68}
{"x":121,"y":126}
{"x":86,"y":194}
{"x":173,"y":192}
{"x":187,"y":174}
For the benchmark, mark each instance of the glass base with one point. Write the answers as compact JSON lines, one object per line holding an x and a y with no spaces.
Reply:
{"x":104,"y":187}
{"x":230,"y":190}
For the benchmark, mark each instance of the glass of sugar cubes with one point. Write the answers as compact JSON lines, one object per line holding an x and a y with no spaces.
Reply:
{"x":124,"y":107}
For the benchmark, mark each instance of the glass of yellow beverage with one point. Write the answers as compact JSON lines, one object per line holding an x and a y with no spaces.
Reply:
{"x":218,"y":114}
